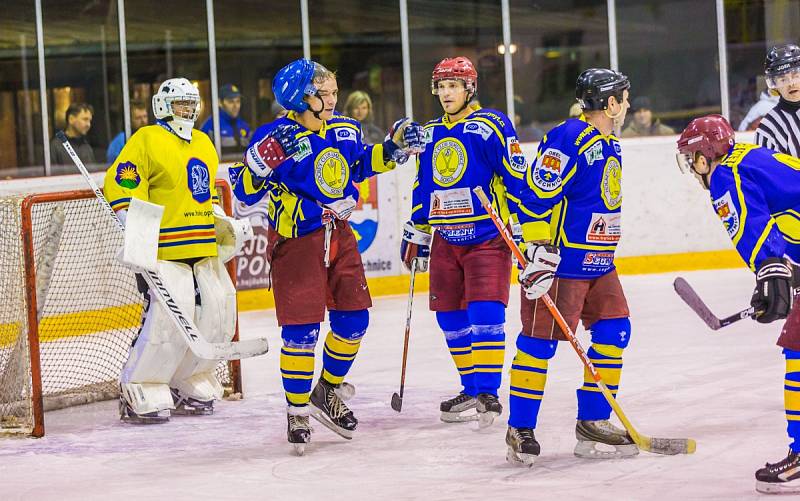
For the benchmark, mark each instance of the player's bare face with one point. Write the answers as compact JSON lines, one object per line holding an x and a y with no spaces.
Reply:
{"x":452,"y":95}
{"x":328,"y":92}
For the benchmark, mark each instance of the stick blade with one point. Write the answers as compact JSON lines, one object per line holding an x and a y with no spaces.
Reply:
{"x":669,"y":446}
{"x":690,"y":297}
{"x":238,"y":350}
{"x":397,"y":402}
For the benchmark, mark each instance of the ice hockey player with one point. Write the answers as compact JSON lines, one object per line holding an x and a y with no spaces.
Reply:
{"x":779,"y":130}
{"x":755,"y":192}
{"x":170,"y":168}
{"x":570,"y":216}
{"x":470,"y":265}
{"x":307,"y":163}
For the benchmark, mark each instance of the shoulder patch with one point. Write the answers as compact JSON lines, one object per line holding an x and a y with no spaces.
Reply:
{"x":546,"y":173}
{"x":345,"y":134}
{"x":303,"y":149}
{"x":127,"y":176}
{"x":515,"y":156}
{"x":594,"y":153}
{"x":481,"y":129}
{"x":727,"y":213}
{"x":427,"y":136}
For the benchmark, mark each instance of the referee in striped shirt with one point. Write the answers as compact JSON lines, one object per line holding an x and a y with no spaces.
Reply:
{"x":779,"y":130}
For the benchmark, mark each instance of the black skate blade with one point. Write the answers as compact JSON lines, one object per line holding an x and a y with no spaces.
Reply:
{"x":397,"y":402}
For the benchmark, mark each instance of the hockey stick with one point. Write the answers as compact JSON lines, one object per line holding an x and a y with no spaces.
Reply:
{"x":397,"y":398}
{"x":194,"y":339}
{"x":667,"y":446}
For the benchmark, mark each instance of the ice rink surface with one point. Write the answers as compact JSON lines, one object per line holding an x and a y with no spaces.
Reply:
{"x":724,"y":388}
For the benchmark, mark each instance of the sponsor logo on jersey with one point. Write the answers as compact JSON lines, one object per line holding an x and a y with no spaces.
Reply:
{"x":617,"y":147}
{"x":727,"y":213}
{"x":428,"y":135}
{"x":478,"y":128}
{"x":604,"y":228}
{"x":449,"y":161}
{"x":494,"y":116}
{"x":457,"y":232}
{"x":547,"y":171}
{"x":345,"y":134}
{"x":303,"y":149}
{"x":331,"y":172}
{"x":594,"y":153}
{"x":198,"y":179}
{"x":598,"y":259}
{"x":515,"y":155}
{"x":450,"y":203}
{"x":611,"y":184}
{"x":127,"y":176}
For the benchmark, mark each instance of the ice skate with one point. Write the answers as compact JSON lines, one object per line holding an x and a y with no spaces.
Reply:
{"x":523,"y":449}
{"x":782,"y":477}
{"x":331,"y":411}
{"x":613,"y":442}
{"x":127,"y":415}
{"x":187,"y":406}
{"x":488,"y":407}
{"x":457,"y":409}
{"x":298,"y":431}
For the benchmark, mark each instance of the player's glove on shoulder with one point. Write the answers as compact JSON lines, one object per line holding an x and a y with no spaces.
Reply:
{"x":772,"y":297}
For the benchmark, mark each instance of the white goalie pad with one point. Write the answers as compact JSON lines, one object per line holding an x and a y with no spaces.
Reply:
{"x":159,"y":348}
{"x":216,"y":320}
{"x":147,"y":397}
{"x":142,"y":225}
{"x":231,"y":234}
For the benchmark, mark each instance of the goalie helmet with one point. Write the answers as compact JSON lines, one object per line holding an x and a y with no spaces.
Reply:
{"x":456,"y":68}
{"x":596,"y":85}
{"x":293,"y":82}
{"x":782,"y":66}
{"x":177,"y":103}
{"x":711,"y":135}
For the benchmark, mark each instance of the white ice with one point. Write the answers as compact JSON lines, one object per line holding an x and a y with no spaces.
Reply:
{"x":680,"y":379}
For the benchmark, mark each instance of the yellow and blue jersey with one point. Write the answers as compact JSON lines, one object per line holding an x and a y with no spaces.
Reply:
{"x":480,"y":149}
{"x":572,"y":197}
{"x":157,"y":166}
{"x":756,"y":194}
{"x":324,"y":170}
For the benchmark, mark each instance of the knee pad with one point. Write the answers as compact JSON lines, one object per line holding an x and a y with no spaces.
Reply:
{"x":453,"y":321}
{"x":349,"y":324}
{"x":615,"y":332}
{"x":543,"y":349}
{"x":486,"y":312}
{"x":300,"y":336}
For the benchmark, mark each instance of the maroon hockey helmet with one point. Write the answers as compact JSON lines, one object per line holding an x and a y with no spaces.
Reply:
{"x":711,"y":135}
{"x":456,"y":68}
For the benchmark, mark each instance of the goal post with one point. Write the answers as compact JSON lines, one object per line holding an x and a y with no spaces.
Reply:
{"x":70,"y":311}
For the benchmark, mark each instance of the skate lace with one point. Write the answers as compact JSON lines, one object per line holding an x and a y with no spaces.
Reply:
{"x":790,"y":461}
{"x":524,"y":434}
{"x":459,"y":399}
{"x":298,"y":422}
{"x":336,"y":406}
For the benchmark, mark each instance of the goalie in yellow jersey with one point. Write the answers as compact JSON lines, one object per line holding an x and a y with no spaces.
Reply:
{"x":162,"y":187}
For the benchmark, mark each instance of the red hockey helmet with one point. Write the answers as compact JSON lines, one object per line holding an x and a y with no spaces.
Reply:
{"x":456,"y":68}
{"x":710,"y":135}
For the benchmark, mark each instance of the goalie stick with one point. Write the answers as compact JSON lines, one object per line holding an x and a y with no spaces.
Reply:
{"x":693,"y":300}
{"x":185,"y":325}
{"x":668,"y":446}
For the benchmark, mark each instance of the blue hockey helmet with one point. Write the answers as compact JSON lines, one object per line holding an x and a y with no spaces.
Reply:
{"x":293,"y":82}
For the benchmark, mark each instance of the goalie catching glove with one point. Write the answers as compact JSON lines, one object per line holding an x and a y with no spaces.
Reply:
{"x":772,"y":297}
{"x":416,"y":244}
{"x":231,"y":234}
{"x":538,"y":275}
{"x":268,"y":154}
{"x":405,"y":138}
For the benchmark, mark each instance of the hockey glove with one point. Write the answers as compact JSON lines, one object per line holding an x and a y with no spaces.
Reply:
{"x":231,"y":234}
{"x":340,"y":209}
{"x":405,"y":138}
{"x":268,"y":154}
{"x":416,"y":244}
{"x":516,"y":234}
{"x":772,"y":297}
{"x":538,"y":275}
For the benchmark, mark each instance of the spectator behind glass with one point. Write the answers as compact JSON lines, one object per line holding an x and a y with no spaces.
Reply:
{"x":766,"y":101}
{"x":359,"y":106}
{"x":139,"y":119}
{"x":79,"y":121}
{"x":643,"y":123}
{"x":234,"y":133}
{"x":526,"y":130}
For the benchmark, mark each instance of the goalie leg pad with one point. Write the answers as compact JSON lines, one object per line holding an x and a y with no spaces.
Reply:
{"x":159,"y":348}
{"x":609,"y":338}
{"x":216,"y":320}
{"x":146,"y":398}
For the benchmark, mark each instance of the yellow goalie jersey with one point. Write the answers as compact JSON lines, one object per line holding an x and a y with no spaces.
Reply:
{"x":159,"y":167}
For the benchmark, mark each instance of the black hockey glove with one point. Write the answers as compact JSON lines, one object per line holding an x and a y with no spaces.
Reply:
{"x":772,"y":297}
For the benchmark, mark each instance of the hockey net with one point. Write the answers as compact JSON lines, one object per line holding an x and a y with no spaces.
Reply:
{"x":69,"y":310}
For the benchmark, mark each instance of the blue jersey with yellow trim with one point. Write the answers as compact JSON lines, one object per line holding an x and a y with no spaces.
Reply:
{"x":480,"y":149}
{"x":572,"y":197}
{"x":756,"y":194}
{"x":322,"y":171}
